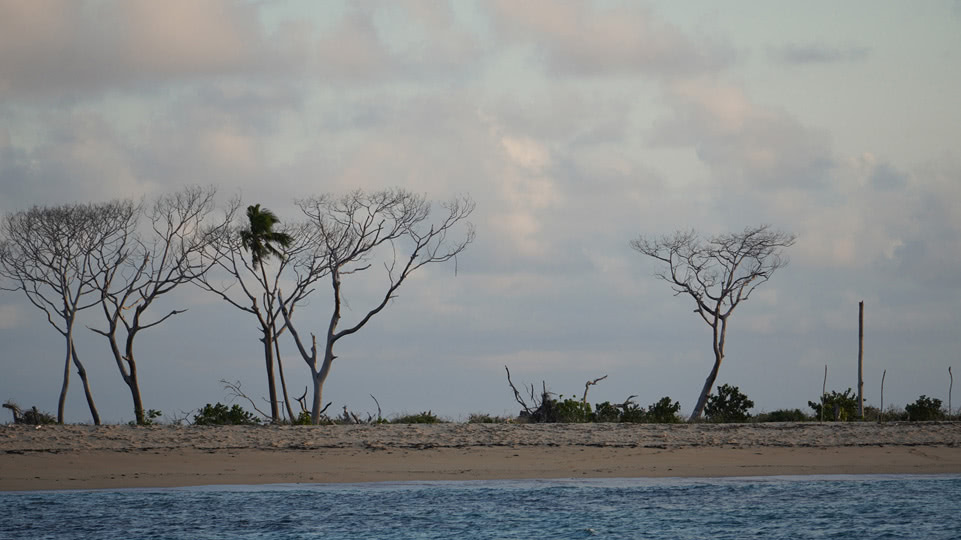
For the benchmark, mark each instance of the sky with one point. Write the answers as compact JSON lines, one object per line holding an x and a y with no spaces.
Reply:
{"x":575,"y":126}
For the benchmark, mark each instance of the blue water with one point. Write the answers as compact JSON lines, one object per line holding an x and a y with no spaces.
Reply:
{"x":856,"y":507}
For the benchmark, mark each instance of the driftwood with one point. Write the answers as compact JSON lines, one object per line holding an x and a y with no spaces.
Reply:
{"x":587,"y":387}
{"x":33,"y":417}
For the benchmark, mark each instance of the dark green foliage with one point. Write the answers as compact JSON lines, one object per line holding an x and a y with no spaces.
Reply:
{"x":924,"y":409}
{"x":149,"y":418}
{"x":605,"y":412}
{"x":481,"y":418}
{"x":220,"y":415}
{"x":664,"y":412}
{"x":303,"y":419}
{"x":422,"y":418}
{"x":728,"y":405}
{"x":846,"y":404}
{"x":633,"y":413}
{"x":570,"y":411}
{"x":783,"y":415}
{"x":259,"y":238}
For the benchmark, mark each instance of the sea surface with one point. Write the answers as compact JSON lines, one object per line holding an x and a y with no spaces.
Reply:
{"x":856,"y":507}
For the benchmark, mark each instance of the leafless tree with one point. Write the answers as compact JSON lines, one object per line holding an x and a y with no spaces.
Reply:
{"x":48,"y":253}
{"x":351,"y":230}
{"x":254,"y":286}
{"x":140,"y":268}
{"x":718,"y":273}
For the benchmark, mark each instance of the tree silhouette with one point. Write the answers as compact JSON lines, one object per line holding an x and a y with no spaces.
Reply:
{"x":718,"y":273}
{"x":260,"y":237}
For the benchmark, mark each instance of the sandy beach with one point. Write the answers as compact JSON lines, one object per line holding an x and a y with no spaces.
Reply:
{"x":90,"y":457}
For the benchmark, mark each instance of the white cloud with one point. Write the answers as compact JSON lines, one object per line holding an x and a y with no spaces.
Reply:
{"x":61,"y":48}
{"x":582,"y":39}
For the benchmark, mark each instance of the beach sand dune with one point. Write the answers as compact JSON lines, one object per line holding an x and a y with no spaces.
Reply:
{"x":86,"y":457}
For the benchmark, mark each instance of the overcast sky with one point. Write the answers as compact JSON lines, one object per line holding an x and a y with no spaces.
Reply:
{"x":575,"y":127}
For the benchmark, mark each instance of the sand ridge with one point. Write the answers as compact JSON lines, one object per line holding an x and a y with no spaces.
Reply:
{"x":84,"y":457}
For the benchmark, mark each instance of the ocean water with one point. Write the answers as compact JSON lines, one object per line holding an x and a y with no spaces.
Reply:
{"x":856,"y":507}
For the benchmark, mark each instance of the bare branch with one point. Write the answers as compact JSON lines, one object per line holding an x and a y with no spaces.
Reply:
{"x":587,"y":387}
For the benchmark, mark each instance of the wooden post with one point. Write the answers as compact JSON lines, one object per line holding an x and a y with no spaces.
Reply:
{"x":824,"y":388}
{"x":861,"y":359}
{"x":881,"y":412}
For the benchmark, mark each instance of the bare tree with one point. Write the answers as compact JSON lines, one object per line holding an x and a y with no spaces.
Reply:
{"x":134,"y":272}
{"x":718,"y":273}
{"x":252,"y":284}
{"x":350,"y":232}
{"x":47,"y":252}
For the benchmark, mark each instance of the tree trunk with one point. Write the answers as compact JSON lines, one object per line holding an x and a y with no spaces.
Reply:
{"x":315,"y":406}
{"x":283,"y":382}
{"x":708,"y":385}
{"x":719,"y":335}
{"x":86,"y":385}
{"x":271,"y":384}
{"x":134,"y":386}
{"x":61,"y":404}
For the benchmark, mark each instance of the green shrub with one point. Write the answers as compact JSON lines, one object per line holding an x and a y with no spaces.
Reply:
{"x":924,"y":408}
{"x":664,"y":412}
{"x":606,"y":412}
{"x":728,"y":405}
{"x":847,"y":406}
{"x":220,"y":415}
{"x":634,"y":414}
{"x":149,"y":418}
{"x":783,"y":415}
{"x":572,"y":411}
{"x":426,"y":417}
{"x":481,"y":418}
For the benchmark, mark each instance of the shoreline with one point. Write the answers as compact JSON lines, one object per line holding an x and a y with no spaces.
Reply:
{"x":96,"y":457}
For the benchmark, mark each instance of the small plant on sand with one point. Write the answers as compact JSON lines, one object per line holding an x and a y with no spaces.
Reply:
{"x":728,"y":405}
{"x":837,"y":406}
{"x":606,"y":412}
{"x":924,"y":409}
{"x":783,"y":415}
{"x":426,"y":417}
{"x":149,"y":418}
{"x":572,"y":410}
{"x":483,"y":418}
{"x":664,"y":412}
{"x":220,"y":415}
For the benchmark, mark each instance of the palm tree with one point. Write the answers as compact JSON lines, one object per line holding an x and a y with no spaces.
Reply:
{"x":260,"y":240}
{"x":260,"y":237}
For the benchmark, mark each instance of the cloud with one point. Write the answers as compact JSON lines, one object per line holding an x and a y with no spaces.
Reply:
{"x":65,"y":48}
{"x":813,"y":53}
{"x":744,"y":144}
{"x":579,"y":39}
{"x":358,"y":49}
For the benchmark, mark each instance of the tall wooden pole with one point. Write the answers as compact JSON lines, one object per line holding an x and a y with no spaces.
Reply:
{"x":861,"y":359}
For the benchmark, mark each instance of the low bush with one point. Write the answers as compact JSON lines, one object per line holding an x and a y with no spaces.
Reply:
{"x":845,"y":405}
{"x":924,"y":409}
{"x":783,"y":415}
{"x":220,"y":415}
{"x":482,"y":418}
{"x":664,"y":412}
{"x":606,"y":412}
{"x":728,"y":405}
{"x":426,"y":417}
{"x":572,"y":411}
